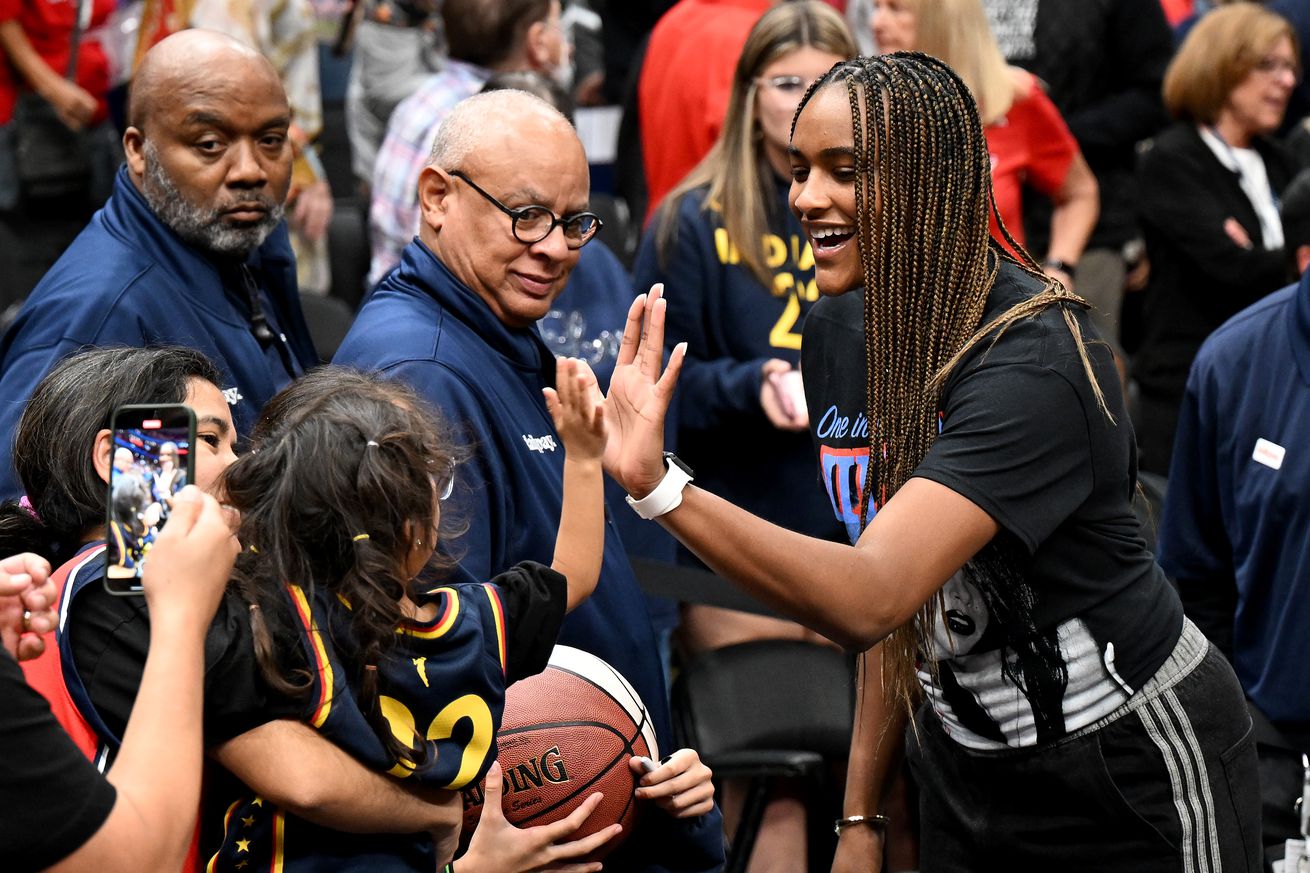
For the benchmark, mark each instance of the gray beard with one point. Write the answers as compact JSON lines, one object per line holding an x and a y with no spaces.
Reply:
{"x":202,"y":225}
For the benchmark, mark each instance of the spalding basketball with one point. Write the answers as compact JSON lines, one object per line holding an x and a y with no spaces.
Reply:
{"x":567,"y":733}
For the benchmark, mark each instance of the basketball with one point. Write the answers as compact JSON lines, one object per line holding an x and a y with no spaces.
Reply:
{"x":568,"y":732}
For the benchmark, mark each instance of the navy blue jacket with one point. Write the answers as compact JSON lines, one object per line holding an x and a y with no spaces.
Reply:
{"x":128,"y":280}
{"x":1235,"y":534}
{"x":424,"y":327}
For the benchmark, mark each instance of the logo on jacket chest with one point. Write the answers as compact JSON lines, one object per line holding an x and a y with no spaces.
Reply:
{"x":539,"y":444}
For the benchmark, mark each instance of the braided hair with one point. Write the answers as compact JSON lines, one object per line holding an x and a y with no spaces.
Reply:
{"x":923,"y":196}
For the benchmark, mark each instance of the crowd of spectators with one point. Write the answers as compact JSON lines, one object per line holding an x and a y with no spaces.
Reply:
{"x":184,"y":177}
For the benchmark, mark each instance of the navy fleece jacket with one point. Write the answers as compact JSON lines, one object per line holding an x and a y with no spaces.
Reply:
{"x":128,"y":280}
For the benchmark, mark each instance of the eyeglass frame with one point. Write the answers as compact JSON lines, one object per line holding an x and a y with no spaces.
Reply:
{"x":517,"y":214}
{"x":1273,"y":66}
{"x":448,"y":485}
{"x":799,"y":82}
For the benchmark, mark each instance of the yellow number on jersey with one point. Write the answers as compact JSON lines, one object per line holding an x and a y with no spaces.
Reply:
{"x":470,"y":707}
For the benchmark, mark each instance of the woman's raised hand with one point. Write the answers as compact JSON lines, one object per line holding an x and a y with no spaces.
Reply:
{"x":640,"y":391}
{"x":190,"y":562}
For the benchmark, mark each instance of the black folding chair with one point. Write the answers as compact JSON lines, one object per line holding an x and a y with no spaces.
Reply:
{"x":763,"y":711}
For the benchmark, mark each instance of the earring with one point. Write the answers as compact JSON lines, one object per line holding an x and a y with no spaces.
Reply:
{"x":417,"y":543}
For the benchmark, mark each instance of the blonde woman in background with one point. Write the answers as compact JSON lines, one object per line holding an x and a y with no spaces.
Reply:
{"x":1027,"y":138}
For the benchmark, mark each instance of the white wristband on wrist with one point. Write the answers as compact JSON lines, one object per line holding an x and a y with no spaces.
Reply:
{"x":667,"y":495}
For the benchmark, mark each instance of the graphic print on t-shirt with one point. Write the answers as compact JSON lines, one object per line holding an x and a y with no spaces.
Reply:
{"x":843,"y":476}
{"x":994,"y":680}
{"x":1054,"y":623}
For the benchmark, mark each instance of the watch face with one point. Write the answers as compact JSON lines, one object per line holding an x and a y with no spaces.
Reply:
{"x":671,"y":459}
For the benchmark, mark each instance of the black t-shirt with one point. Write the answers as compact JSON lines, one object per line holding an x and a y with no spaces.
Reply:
{"x":1065,"y":613}
{"x":110,"y":638}
{"x":52,"y":797}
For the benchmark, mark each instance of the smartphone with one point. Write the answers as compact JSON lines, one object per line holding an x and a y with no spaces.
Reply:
{"x":151,"y":458}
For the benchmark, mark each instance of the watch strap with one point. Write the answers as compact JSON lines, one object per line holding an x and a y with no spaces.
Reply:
{"x":667,"y":495}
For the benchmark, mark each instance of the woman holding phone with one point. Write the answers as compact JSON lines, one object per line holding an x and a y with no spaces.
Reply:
{"x":138,"y":815}
{"x":63,"y":454}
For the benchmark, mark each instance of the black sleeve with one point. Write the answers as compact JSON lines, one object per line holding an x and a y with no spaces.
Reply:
{"x":535,"y":599}
{"x":53,"y":798}
{"x":110,"y":637}
{"x":1015,"y":443}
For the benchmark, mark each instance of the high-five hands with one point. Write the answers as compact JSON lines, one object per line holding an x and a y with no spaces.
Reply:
{"x":639,"y":395}
{"x":577,"y":409}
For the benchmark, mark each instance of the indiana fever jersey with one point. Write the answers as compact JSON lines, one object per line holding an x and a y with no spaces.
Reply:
{"x":442,"y":688}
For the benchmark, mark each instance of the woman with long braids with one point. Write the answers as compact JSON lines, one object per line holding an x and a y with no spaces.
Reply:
{"x":972,"y":436}
{"x":726,"y":239}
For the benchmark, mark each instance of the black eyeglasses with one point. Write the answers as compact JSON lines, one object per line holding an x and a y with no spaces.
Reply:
{"x":532,"y":224}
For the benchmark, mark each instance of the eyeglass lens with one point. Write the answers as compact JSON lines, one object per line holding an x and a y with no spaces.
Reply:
{"x":533,"y":224}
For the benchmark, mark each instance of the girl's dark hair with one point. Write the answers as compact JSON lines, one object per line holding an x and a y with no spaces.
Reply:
{"x":339,"y":479}
{"x":923,"y":196}
{"x":55,"y":436}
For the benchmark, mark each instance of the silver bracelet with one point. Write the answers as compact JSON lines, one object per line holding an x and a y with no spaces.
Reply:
{"x":879,"y":822}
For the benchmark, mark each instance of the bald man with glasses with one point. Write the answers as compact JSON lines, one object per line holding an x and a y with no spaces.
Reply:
{"x":504,"y":205}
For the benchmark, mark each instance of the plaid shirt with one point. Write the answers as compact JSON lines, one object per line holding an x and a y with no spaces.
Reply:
{"x":394,"y":214}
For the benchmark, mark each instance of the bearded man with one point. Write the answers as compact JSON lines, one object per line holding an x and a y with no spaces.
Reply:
{"x":190,"y":249}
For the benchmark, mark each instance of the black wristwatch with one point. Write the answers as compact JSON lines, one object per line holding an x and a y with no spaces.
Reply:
{"x":1059,"y":266}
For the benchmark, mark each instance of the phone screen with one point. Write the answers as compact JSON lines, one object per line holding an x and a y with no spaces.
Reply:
{"x":151,"y":459}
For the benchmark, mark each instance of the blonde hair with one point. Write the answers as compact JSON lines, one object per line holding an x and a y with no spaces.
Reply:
{"x":1219,"y":52}
{"x":741,"y":183}
{"x":957,"y":32}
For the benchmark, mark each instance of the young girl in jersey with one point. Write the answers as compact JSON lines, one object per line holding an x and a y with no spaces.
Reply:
{"x":341,"y":499}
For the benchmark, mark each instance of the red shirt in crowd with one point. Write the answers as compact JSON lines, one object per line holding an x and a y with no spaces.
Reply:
{"x":1030,"y":144}
{"x":49,"y":27}
{"x":685,"y":83}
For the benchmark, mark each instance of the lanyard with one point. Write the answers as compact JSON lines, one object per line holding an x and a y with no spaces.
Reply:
{"x":260,"y":328}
